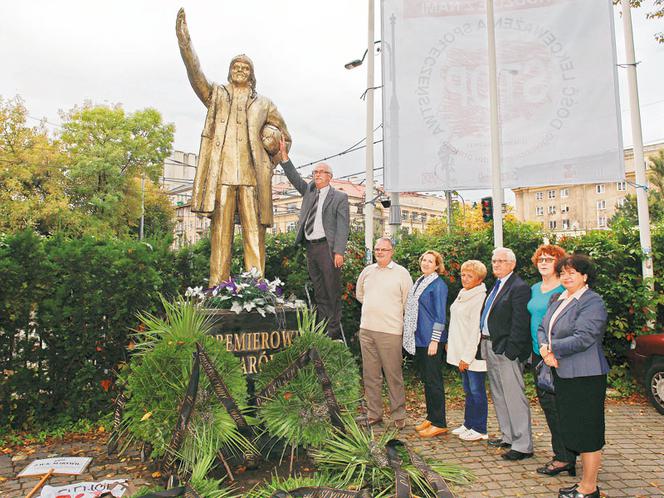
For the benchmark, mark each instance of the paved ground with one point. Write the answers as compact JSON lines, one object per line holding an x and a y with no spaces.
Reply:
{"x":633,"y":460}
{"x":633,"y":463}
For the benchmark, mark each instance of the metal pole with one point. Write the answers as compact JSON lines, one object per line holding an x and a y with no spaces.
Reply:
{"x":495,"y":131}
{"x":395,"y":216}
{"x":369,"y":195}
{"x":448,"y":196}
{"x":142,"y":224}
{"x":637,"y":140}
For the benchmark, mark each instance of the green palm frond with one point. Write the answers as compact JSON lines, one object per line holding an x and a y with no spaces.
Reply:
{"x":298,"y":412}
{"x":157,"y":379}
{"x":358,"y":459}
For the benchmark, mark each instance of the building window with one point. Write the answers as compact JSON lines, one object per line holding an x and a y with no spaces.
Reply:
{"x":291,"y":226}
{"x":621,"y":186}
{"x":620,"y":202}
{"x":551,"y":194}
{"x":601,"y":205}
{"x":552,"y":224}
{"x":404,"y":215}
{"x":552,"y":209}
{"x":564,"y":193}
{"x":599,"y":188}
{"x":539,"y":211}
{"x":539,"y":196}
{"x":564,"y":208}
{"x":565,"y":224}
{"x":601,"y":221}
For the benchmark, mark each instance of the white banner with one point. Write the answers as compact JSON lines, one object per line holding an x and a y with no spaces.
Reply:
{"x":557,"y":86}
{"x":116,"y":487}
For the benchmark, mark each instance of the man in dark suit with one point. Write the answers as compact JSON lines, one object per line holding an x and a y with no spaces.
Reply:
{"x":505,"y":329}
{"x":323,"y":228}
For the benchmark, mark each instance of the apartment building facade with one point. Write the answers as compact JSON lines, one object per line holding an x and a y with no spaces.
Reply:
{"x":576,"y":209}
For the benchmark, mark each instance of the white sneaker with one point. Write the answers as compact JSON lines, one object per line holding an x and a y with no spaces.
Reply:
{"x":473,"y":435}
{"x":460,"y":430}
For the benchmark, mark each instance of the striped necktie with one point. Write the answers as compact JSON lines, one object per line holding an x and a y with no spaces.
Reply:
{"x":311,"y":217}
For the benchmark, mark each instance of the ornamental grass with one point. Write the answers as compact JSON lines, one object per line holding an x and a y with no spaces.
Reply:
{"x":298,"y":412}
{"x":157,"y":378}
{"x":357,"y":458}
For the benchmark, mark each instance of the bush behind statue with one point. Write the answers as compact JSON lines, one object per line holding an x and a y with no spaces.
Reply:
{"x":67,"y":305}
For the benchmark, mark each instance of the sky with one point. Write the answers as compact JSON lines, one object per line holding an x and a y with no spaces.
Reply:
{"x":56,"y":55}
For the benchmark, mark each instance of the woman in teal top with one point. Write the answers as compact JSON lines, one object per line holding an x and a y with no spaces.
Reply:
{"x":545,"y":258}
{"x":539,"y":302}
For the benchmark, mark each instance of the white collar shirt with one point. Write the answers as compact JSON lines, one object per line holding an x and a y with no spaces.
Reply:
{"x":485,"y":330}
{"x":318,"y":231}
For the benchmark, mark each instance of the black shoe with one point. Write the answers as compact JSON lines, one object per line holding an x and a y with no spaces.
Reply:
{"x":551,"y":470}
{"x":573,"y":492}
{"x":498,"y":443}
{"x":514,"y":455}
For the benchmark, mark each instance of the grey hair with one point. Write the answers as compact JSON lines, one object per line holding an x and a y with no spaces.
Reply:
{"x":327,"y":167}
{"x":510,"y":254}
{"x":386,"y":239}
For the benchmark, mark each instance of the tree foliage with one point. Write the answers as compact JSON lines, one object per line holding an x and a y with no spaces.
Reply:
{"x":88,"y":179}
{"x":106,"y":150}
{"x":657,"y":12}
{"x":32,"y":174}
{"x":627,"y":214}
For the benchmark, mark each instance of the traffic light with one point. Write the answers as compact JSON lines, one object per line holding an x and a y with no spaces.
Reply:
{"x":487,"y":209}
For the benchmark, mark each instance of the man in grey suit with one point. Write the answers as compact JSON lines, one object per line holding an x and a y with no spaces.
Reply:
{"x":323,"y":228}
{"x":505,"y":344}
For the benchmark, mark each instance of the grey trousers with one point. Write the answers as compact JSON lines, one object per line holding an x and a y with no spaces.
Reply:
{"x":509,"y":399}
{"x":326,"y":279}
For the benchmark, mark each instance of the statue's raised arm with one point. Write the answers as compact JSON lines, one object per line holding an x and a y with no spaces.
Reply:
{"x":198,"y":81}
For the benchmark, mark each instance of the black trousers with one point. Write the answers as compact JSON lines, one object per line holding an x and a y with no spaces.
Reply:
{"x":326,"y":280}
{"x":431,"y":374}
{"x":548,"y":403}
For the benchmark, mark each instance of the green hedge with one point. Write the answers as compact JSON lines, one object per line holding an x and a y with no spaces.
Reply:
{"x":68,"y":305}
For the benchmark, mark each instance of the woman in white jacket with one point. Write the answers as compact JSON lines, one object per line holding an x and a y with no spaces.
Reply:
{"x":462,"y":347}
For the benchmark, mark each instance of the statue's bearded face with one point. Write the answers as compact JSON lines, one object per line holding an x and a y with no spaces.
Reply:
{"x":240,"y":73}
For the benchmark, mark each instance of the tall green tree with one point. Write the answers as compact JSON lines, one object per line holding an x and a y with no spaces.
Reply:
{"x":107,"y":149}
{"x":32,"y":180}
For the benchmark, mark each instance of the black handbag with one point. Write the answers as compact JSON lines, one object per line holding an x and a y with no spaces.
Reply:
{"x":544,"y":378}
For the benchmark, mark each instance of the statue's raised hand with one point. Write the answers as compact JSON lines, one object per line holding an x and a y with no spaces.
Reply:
{"x":181,"y":29}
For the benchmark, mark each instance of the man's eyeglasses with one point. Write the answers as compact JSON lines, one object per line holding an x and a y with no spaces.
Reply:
{"x":380,"y":249}
{"x":321,"y":171}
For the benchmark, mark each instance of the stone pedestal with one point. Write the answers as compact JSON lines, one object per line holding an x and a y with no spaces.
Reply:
{"x":254,"y":338}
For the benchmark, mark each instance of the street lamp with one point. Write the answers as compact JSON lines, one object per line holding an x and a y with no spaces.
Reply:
{"x":359,"y":62}
{"x":369,"y":191}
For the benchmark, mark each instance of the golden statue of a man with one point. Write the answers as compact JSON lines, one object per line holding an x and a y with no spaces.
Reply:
{"x":239,"y":149}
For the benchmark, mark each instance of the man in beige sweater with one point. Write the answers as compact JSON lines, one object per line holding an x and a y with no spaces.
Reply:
{"x":382,"y":288}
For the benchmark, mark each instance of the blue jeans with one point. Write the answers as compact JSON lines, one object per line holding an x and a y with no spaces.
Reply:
{"x":476,"y":402}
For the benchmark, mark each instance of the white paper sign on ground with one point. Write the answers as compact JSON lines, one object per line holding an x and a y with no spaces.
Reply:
{"x":117,"y":488}
{"x":60,"y":465}
{"x":557,"y":85}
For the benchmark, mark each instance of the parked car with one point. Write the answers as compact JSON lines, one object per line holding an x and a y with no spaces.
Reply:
{"x":646,"y":357}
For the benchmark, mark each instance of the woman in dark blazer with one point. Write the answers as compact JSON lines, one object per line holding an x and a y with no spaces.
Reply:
{"x":425,"y":336}
{"x":570,"y":338}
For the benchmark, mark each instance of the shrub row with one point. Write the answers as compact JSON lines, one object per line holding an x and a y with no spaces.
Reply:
{"x":68,"y":305}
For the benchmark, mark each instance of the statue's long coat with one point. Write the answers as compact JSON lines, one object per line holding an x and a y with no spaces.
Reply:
{"x":260,"y":111}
